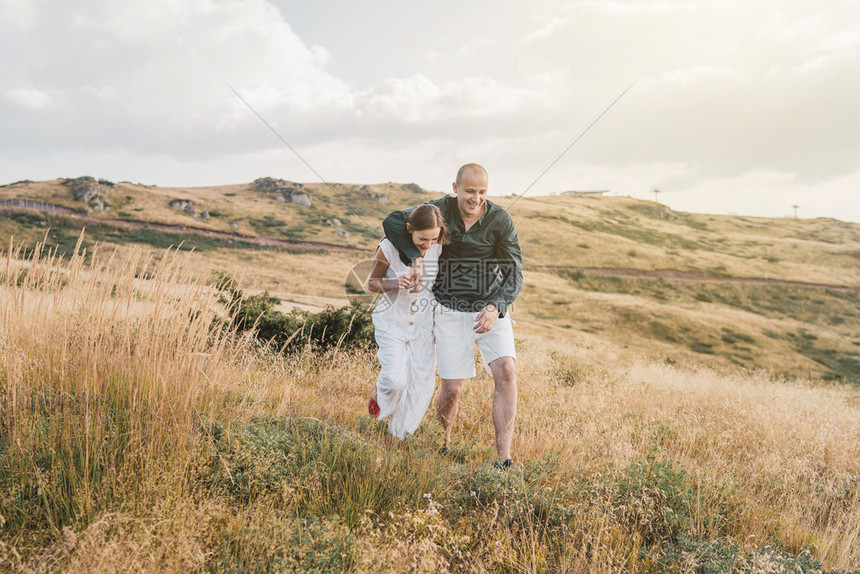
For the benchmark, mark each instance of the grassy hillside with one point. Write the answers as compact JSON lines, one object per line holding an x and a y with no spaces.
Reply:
{"x":726,"y":291}
{"x":139,"y":431}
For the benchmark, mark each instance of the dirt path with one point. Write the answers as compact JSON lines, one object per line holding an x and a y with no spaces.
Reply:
{"x":693,"y":276}
{"x":26,"y":205}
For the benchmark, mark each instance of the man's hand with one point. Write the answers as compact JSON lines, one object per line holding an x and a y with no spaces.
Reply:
{"x":486,"y":319}
{"x":415,"y":275}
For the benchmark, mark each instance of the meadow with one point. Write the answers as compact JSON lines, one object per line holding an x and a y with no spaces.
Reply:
{"x":705,"y":422}
{"x":776,"y":294}
{"x":142,"y":430}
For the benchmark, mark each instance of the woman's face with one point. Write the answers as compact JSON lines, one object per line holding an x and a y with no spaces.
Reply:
{"x":425,"y":238}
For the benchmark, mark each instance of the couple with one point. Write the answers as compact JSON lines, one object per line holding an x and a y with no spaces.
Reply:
{"x":466,"y":248}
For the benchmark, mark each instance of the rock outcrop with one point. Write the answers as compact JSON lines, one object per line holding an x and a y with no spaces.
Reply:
{"x":660,"y":211}
{"x":412,"y":188}
{"x":284,"y":190}
{"x":300,"y":198}
{"x":95,"y":193}
{"x":269,"y":184}
{"x":187,"y":206}
{"x":365,"y":191}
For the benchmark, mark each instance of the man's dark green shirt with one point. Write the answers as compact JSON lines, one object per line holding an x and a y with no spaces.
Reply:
{"x":480,"y":266}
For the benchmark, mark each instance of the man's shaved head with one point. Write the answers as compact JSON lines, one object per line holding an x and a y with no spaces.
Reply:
{"x":471,"y":167}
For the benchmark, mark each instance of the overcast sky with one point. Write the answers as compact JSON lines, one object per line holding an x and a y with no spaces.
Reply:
{"x":738,"y":107}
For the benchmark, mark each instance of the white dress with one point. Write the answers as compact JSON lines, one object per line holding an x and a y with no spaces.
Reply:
{"x":403,"y":323}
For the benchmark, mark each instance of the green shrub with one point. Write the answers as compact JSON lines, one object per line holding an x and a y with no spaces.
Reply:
{"x":345,"y":327}
{"x":731,"y":337}
{"x":692,"y":554}
{"x":312,"y":467}
{"x":516,"y":496}
{"x":285,"y":544}
{"x":577,"y":274}
{"x":702,"y":347}
{"x":655,"y":499}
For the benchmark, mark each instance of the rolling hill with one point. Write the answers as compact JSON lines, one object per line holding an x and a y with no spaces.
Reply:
{"x":777,"y":294}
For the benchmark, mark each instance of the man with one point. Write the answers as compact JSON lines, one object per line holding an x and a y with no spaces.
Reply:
{"x":480,"y":275}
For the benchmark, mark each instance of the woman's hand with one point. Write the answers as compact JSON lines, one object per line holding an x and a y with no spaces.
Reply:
{"x":402,"y":282}
{"x":416,"y":275}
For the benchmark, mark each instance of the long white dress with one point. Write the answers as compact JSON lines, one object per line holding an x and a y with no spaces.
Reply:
{"x":403,"y":323}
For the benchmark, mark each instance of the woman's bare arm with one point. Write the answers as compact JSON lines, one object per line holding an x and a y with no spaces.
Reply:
{"x":377,"y":282}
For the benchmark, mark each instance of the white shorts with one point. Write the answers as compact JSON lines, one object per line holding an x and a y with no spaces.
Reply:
{"x":456,"y":340}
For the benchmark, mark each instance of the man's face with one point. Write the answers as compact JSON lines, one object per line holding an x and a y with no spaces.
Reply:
{"x":471,"y":193}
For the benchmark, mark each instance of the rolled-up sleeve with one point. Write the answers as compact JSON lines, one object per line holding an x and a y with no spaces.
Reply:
{"x":394,"y":226}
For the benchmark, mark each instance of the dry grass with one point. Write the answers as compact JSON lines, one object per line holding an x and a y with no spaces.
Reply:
{"x":139,"y":431}
{"x":573,"y":231}
{"x":669,"y":319}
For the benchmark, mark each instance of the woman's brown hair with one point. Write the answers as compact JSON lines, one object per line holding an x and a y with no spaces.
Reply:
{"x":427,"y":216}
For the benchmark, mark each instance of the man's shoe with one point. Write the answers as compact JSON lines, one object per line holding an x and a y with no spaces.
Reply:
{"x":504,"y":464}
{"x":373,"y":408}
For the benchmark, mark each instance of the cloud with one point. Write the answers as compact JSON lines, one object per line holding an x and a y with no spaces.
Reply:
{"x":628,"y":8}
{"x":545,"y":31}
{"x":475,"y":46}
{"x":160,"y":64}
{"x":151,"y":77}
{"x":408,"y":100}
{"x":419,"y":100}
{"x":102,"y":92}
{"x":691,"y":74}
{"x":18,"y":15}
{"x":30,"y":98}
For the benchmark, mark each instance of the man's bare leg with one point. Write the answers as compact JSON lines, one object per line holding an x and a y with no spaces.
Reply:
{"x":504,"y":403}
{"x":447,"y":404}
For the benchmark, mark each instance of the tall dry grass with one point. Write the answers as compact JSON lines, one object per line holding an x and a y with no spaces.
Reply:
{"x":140,"y":432}
{"x":105,"y":377}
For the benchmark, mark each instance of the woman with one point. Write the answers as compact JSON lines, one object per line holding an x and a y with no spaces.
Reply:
{"x":404,"y":325}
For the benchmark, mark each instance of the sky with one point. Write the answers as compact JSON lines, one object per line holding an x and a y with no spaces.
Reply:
{"x":736,"y":107}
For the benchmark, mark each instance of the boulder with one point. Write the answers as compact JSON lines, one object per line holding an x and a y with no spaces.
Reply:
{"x":271,"y":184}
{"x":184,"y":205}
{"x":365,"y":191}
{"x":302,"y":199}
{"x":284,"y":190}
{"x":412,"y":188}
{"x":94,"y":193}
{"x":660,"y":211}
{"x":341,"y":232}
{"x":268,"y":184}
